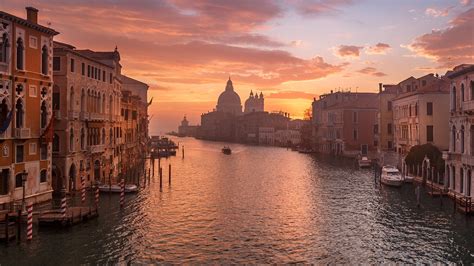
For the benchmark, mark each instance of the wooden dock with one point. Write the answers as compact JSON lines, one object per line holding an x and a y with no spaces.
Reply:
{"x":74,"y":215}
{"x":7,"y":228}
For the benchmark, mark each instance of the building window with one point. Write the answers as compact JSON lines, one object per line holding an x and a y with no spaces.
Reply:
{"x":55,"y":143}
{"x":71,"y":99}
{"x":429,"y":108}
{"x":88,"y":71}
{"x":20,"y":50}
{"x":355,"y":134}
{"x":354,"y":117}
{"x":472,"y":139}
{"x":453,"y":138}
{"x":4,"y":177}
{"x":429,"y":133}
{"x":18,"y":180}
{"x":416,"y":109}
{"x":44,"y":60}
{"x":56,"y":100}
{"x":43,"y":176}
{"x":376,"y":129}
{"x":19,"y":114}
{"x":19,"y":154}
{"x":472,"y":90}
{"x":462,"y":92}
{"x":98,"y":74}
{"x":43,"y":115}
{"x":453,"y":99}
{"x":71,"y":140}
{"x":83,"y":69}
{"x":389,"y":128}
{"x":103,"y":76}
{"x":73,"y":66}
{"x":4,"y":48}
{"x":110,"y":78}
{"x":103,"y":135}
{"x":462,"y":139}
{"x":409,"y":110}
{"x":461,"y":183}
{"x":44,"y":151}
{"x":390,"y":145}
{"x":83,"y":139}
{"x":389,"y":105}
{"x":56,"y":63}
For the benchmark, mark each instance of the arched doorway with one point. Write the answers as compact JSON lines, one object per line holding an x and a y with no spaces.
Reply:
{"x":57,"y":180}
{"x":97,"y":170}
{"x":72,"y":177}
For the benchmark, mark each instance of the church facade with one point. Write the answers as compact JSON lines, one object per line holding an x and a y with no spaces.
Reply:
{"x":254,"y":103}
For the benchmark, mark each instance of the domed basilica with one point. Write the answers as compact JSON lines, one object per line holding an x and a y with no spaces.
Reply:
{"x":229,"y":100}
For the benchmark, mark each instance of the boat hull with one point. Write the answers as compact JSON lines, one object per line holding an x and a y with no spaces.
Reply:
{"x":391,"y":182}
{"x":116,"y":188}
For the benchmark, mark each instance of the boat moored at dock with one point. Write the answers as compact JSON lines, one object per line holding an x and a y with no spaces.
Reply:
{"x":391,"y":176}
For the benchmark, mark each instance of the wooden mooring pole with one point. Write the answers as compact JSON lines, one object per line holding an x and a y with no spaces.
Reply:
{"x":182,"y":150}
{"x":169,"y":174}
{"x":161,"y":178}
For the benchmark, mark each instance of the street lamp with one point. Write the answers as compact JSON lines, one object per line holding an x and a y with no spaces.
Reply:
{"x":24,"y":177}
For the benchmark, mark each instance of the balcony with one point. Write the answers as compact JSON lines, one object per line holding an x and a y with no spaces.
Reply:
{"x":73,"y":115}
{"x":22,"y":133}
{"x":84,"y":115}
{"x":467,"y":106}
{"x":96,"y":116}
{"x":97,"y":148}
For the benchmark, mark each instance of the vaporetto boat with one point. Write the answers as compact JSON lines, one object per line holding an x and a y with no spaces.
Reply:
{"x":391,"y":176}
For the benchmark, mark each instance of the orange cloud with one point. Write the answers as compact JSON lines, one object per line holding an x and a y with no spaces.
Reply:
{"x":379,"y":48}
{"x":450,"y":46}
{"x":434,"y":12}
{"x":371,"y":71}
{"x":349,"y":51}
{"x":321,"y":7}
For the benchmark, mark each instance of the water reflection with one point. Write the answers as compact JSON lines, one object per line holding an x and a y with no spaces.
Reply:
{"x":260,"y":205}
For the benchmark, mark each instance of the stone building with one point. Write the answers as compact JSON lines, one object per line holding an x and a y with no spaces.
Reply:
{"x":460,"y":156}
{"x":86,"y":102}
{"x":419,"y":113}
{"x":229,"y":100}
{"x":384,"y":130}
{"x":254,"y":103}
{"x":187,"y":130}
{"x":343,"y":123}
{"x":250,"y":126}
{"x":26,"y":82}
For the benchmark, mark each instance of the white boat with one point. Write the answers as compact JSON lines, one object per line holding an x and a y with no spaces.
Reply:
{"x":364,"y":162}
{"x":391,"y":176}
{"x":116,"y":188}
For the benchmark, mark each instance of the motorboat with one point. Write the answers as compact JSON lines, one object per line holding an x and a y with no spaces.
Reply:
{"x":409,"y":178}
{"x":129,"y":188}
{"x":391,"y":176}
{"x":226,"y":150}
{"x":364,"y":162}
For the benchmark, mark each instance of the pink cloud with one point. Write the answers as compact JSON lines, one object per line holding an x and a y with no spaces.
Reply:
{"x":371,"y":71}
{"x":379,"y":48}
{"x":435,"y":12}
{"x":450,"y":46}
{"x":321,"y":7}
{"x":349,"y":50}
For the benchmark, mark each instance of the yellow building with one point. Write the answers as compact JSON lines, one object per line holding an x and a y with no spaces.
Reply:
{"x":25,"y":101}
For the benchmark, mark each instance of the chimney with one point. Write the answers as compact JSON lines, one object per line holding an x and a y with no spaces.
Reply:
{"x":32,"y":14}
{"x":380,"y":87}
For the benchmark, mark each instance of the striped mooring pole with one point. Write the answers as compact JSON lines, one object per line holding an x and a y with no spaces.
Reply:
{"x":29,"y":228}
{"x":122,"y":192}
{"x":83,"y":190}
{"x":97,"y":197}
{"x":63,"y":208}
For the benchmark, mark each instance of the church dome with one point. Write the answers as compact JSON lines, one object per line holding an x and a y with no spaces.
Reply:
{"x":229,"y":100}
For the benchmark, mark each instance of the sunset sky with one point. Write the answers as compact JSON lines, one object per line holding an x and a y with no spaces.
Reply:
{"x":292,"y":50}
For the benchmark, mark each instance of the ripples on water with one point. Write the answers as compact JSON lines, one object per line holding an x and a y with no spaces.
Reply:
{"x":259,"y":205}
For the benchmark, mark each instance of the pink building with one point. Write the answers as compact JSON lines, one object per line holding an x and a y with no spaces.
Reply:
{"x":345,"y":123}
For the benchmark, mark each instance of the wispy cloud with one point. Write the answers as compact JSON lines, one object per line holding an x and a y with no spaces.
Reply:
{"x":379,"y":48}
{"x":351,"y":51}
{"x":371,"y":71}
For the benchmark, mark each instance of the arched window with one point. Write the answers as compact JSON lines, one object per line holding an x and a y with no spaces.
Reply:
{"x":4,"y":110}
{"x":19,"y":114}
{"x":44,"y":60}
{"x":43,"y":115}
{"x":55,"y":143}
{"x":472,"y":89}
{"x":462,"y":92}
{"x":454,"y":178}
{"x":110,"y":105}
{"x":83,"y":136}
{"x":43,"y":176}
{"x":453,"y":99}
{"x":111,"y":136}
{"x":103,"y":103}
{"x":461,"y":180}
{"x":103,"y":135}
{"x":4,"y":48}
{"x":453,"y":138}
{"x":462,"y":139}
{"x":71,"y":99}
{"x":71,"y":140}
{"x":20,"y":49}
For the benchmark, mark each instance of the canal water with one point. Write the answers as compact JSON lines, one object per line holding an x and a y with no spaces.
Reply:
{"x":258,"y":205}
